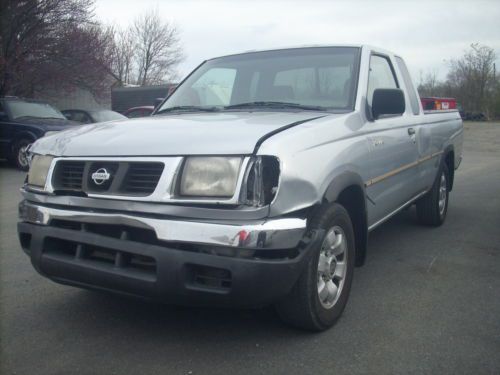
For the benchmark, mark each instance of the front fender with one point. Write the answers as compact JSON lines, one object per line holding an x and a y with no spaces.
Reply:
{"x":340,"y":183}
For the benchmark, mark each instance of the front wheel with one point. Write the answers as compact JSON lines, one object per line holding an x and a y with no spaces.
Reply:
{"x":20,"y":154}
{"x":320,"y":295}
{"x":433,"y":206}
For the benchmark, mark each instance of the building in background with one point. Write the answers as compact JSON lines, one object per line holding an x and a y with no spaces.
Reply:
{"x":123,"y":98}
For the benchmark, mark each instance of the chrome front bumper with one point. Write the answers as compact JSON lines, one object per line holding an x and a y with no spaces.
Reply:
{"x":284,"y":233}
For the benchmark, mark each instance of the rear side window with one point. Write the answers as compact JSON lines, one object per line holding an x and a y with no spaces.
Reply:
{"x":381,"y":76}
{"x":415,"y":105}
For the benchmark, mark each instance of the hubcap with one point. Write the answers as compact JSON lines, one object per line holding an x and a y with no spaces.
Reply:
{"x":22,"y":156}
{"x":332,"y":267}
{"x":442,"y":194}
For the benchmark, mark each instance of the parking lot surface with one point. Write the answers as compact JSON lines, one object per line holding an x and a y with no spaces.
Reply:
{"x":426,"y":302}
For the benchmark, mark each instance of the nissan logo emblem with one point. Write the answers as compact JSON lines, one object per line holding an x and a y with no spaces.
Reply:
{"x":100,"y":176}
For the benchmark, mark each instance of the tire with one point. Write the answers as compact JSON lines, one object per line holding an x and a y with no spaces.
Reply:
{"x":19,"y":158}
{"x":303,"y":307}
{"x":433,"y":206}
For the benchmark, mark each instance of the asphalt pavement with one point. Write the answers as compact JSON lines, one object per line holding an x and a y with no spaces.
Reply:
{"x":426,"y":302}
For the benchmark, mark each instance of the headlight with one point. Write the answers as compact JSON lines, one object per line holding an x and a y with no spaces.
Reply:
{"x":210,"y":176}
{"x":39,"y":169}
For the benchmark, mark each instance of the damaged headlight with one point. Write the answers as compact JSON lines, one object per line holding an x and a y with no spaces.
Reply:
{"x":211,"y":176}
{"x":39,"y":169}
{"x":262,"y":180}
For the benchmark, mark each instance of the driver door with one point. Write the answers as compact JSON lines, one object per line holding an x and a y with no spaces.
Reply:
{"x":393,"y":150}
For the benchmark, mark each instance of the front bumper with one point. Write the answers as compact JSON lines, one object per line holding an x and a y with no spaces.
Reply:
{"x":175,"y":261}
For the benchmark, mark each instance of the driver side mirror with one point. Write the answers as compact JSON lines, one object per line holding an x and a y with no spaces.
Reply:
{"x":3,"y":116}
{"x":388,"y":102}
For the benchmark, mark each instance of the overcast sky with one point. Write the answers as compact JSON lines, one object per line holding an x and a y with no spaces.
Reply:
{"x":425,"y":33}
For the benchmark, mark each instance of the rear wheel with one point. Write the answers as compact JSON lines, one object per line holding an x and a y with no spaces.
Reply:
{"x":20,"y":155}
{"x":320,"y":295}
{"x":433,"y":206}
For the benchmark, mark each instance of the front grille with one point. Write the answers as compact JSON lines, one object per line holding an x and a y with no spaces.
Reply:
{"x":68,"y":175}
{"x":142,"y":178}
{"x":100,"y":255}
{"x":123,"y":178}
{"x":124,"y":232}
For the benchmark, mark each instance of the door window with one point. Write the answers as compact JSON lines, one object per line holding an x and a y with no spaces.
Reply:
{"x":381,"y":76}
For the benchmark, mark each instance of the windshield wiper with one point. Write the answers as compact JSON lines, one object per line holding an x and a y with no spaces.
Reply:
{"x":188,"y":108}
{"x":271,"y":104}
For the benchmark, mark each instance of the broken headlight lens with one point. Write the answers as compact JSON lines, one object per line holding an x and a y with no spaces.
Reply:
{"x":262,"y":180}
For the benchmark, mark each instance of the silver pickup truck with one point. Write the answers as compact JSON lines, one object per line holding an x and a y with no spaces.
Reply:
{"x":255,"y":182}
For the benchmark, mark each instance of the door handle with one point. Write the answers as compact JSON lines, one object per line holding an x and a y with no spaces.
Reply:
{"x":411,"y":131}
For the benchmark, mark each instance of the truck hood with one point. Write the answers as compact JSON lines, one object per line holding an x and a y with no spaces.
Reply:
{"x":182,"y":134}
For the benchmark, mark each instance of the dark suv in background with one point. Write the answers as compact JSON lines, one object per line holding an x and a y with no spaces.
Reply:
{"x":23,"y":121}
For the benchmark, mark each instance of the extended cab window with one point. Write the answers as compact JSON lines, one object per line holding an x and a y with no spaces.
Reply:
{"x":414,"y":102}
{"x":381,"y":76}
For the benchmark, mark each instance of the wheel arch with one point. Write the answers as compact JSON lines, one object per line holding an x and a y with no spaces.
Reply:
{"x":449,"y":160}
{"x":25,"y":135}
{"x":348,"y":189}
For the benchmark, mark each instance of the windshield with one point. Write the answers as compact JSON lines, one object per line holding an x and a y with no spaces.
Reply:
{"x":102,"y":116}
{"x":20,"y":109}
{"x":319,"y":78}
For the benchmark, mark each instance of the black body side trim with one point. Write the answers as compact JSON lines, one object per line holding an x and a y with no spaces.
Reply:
{"x":336,"y":193}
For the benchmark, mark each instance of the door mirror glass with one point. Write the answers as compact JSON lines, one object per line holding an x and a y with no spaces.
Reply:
{"x":387,"y":102}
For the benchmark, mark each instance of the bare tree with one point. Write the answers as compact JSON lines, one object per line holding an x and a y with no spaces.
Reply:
{"x":81,"y":59}
{"x":49,"y":42}
{"x":158,"y":49}
{"x":122,"y":56}
{"x":428,"y":84}
{"x":431,"y":85}
{"x":472,"y":77}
